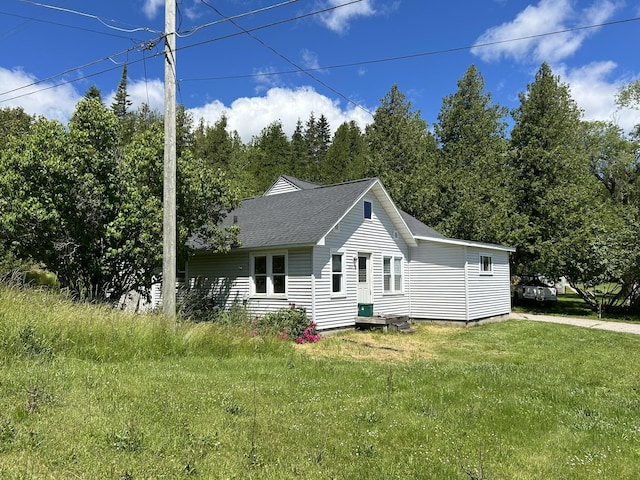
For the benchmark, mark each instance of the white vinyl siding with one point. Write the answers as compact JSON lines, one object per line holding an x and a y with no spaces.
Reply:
{"x":373,"y":237}
{"x":489,"y":295}
{"x":437,"y":282}
{"x":229,"y":277}
{"x":447,"y":283}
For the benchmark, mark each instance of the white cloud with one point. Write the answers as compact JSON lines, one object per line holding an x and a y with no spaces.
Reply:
{"x":594,"y":91}
{"x":151,"y":7}
{"x":547,"y":16}
{"x":54,"y":103}
{"x":249,"y":115}
{"x":338,"y":19}
{"x":310,"y":59}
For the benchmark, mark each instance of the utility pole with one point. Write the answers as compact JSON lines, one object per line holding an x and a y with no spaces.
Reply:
{"x":169,"y":201}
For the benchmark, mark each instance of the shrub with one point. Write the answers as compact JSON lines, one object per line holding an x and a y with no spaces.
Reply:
{"x":287,"y":323}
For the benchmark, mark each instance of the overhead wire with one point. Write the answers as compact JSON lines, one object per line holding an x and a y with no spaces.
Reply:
{"x":153,"y":42}
{"x":148,"y":45}
{"x":95,"y":17}
{"x":286,"y":59}
{"x":188,"y":33}
{"x":71,"y":70}
{"x":65,"y":25}
{"x":416,"y":55}
{"x":272,"y":24}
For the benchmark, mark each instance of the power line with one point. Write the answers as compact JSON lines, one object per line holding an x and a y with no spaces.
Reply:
{"x":150,"y":44}
{"x":272,"y":24}
{"x":64,"y":25}
{"x":147,"y":46}
{"x":95,"y":17}
{"x":415,"y":55}
{"x":286,"y":59}
{"x":110,"y":58}
{"x":194,"y":30}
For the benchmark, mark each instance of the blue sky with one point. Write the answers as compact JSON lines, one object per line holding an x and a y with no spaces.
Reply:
{"x":295,"y":61}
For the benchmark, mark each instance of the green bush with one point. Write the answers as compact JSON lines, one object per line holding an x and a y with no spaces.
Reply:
{"x":287,"y":323}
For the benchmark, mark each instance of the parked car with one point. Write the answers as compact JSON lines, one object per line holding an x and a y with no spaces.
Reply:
{"x":534,"y":288}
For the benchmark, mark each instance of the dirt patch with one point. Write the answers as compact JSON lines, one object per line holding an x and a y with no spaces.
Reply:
{"x":381,"y":346}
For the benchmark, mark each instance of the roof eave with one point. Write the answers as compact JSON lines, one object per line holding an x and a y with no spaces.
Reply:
{"x":466,"y":243}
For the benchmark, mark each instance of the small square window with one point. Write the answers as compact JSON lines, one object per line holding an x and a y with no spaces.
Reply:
{"x":367,"y":209}
{"x":486,"y":265}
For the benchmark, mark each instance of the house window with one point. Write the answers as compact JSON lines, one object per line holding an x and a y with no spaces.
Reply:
{"x":397,"y":274}
{"x":269,"y":274}
{"x":260,"y":274}
{"x":392,"y":274}
{"x":367,"y":209}
{"x":486,"y":266}
{"x":337,"y":272}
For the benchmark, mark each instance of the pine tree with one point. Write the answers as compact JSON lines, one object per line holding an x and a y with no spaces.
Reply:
{"x":121,"y":102}
{"x":473,"y":202}
{"x":552,"y":189}
{"x":399,"y":143}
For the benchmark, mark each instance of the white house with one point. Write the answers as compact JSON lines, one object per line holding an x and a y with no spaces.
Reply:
{"x":346,"y":249}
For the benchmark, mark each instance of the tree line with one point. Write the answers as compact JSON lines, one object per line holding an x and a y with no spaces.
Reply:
{"x":85,"y":201}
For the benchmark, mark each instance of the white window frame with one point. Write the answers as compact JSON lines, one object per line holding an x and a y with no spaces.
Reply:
{"x":393,"y":277}
{"x":342,"y":292}
{"x":270,"y":274}
{"x":485,"y":268}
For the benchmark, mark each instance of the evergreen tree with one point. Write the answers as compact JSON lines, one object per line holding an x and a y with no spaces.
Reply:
{"x":345,"y":157}
{"x":121,"y":102}
{"x":93,"y":93}
{"x":270,"y":152}
{"x":299,"y":161}
{"x":317,"y":135}
{"x":399,"y":143}
{"x":473,"y":201}
{"x":553,"y":191}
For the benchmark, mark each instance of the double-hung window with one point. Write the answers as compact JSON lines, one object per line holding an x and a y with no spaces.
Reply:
{"x":269,"y":274}
{"x":392,"y":274}
{"x":337,"y":273}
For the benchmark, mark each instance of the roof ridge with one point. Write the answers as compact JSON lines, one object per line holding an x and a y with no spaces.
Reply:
{"x":348,"y":182}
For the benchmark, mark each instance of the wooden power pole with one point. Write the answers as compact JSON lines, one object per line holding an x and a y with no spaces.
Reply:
{"x":169,"y":237}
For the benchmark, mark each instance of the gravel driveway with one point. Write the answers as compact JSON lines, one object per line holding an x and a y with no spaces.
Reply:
{"x":581,"y":322}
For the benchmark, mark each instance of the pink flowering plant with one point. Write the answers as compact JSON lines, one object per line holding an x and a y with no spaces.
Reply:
{"x":289,"y":323}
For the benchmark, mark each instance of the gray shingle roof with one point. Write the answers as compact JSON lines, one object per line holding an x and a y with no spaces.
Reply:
{"x":302,"y":217}
{"x":295,"y":218}
{"x":418,"y":228}
{"x":301,"y":184}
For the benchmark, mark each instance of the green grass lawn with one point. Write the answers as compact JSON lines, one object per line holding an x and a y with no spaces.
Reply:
{"x":86,"y":392}
{"x":571,"y":305}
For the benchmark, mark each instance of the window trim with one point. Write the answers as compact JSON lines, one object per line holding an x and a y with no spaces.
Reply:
{"x":343,"y":291}
{"x":481,"y":265}
{"x":269,"y":275}
{"x":392,"y":276}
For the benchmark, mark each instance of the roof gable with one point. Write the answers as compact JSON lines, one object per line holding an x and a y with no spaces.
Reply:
{"x":301,"y":217}
{"x":287,"y":184}
{"x":306,"y":212}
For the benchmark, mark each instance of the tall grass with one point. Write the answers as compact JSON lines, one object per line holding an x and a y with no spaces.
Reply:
{"x":42,"y":323}
{"x":87,"y":392}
